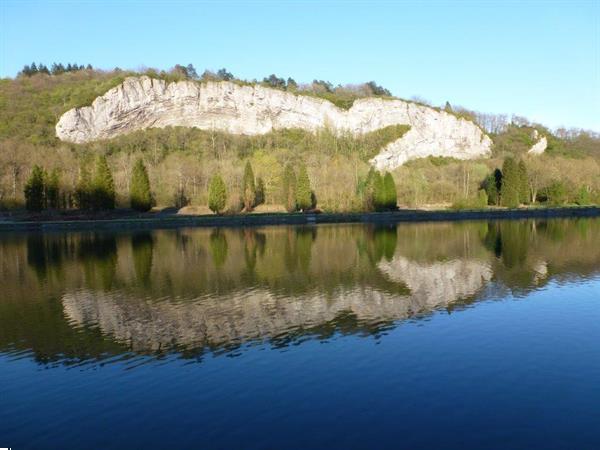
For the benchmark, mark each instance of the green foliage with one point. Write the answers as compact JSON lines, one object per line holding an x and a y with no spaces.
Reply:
{"x":379,"y":194}
{"x":259,"y":198}
{"x":583,"y":196}
{"x":523,"y":183}
{"x":83,"y":190}
{"x":53,"y":190}
{"x":103,"y":186}
{"x":249,"y":188}
{"x":366,"y":189}
{"x":217,"y":194}
{"x":303,"y":190}
{"x":492,"y":186}
{"x":289,"y":189}
{"x":34,"y":190}
{"x":390,"y":194}
{"x":555,"y":193}
{"x":510,"y":184}
{"x":140,"y":195}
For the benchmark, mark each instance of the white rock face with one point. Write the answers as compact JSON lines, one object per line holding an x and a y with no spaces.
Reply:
{"x":539,"y":147}
{"x":142,"y":102}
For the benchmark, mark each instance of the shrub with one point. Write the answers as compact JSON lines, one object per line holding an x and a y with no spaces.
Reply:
{"x":217,"y":194}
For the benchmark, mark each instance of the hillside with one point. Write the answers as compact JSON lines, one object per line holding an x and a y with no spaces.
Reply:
{"x":181,"y":160}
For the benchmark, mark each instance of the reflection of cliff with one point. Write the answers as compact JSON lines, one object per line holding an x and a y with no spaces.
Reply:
{"x":259,"y":314}
{"x":439,"y":282}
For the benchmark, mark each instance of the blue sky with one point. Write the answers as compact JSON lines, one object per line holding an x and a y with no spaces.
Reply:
{"x":536,"y":59}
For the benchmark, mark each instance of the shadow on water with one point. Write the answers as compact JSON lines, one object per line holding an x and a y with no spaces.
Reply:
{"x":92,"y":295}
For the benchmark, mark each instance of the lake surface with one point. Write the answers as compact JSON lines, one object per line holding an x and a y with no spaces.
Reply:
{"x":449,"y":335}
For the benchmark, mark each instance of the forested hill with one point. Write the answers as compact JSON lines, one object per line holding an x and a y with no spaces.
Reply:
{"x":181,"y":161}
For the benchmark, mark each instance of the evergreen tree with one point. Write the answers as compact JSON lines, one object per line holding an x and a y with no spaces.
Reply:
{"x":303,"y":191}
{"x":140,"y":195}
{"x":492,"y":186}
{"x":103,"y":186}
{"x":523,"y":183}
{"x":448,"y":107}
{"x":379,"y":197}
{"x":34,"y":190}
{"x":391,"y":196}
{"x":52,"y":190}
{"x":289,"y":188}
{"x":259,"y":199}
{"x":83,"y":190}
{"x":509,"y":194}
{"x":249,"y":188}
{"x":217,"y":194}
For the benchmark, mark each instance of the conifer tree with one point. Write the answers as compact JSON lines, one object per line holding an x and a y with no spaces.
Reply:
{"x":289,"y":188}
{"x":492,"y":185}
{"x":523,"y":183}
{"x":391,"y":196}
{"x":509,"y":194}
{"x":217,"y":194}
{"x":379,"y":197}
{"x":34,"y":190}
{"x":303,"y":191}
{"x":52,"y":189}
{"x":140,"y":195}
{"x":83,"y":190}
{"x":103,"y":186}
{"x":249,"y":187}
{"x":259,"y":199}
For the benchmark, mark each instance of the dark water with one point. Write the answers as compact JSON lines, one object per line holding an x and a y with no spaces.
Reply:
{"x":468,"y":335}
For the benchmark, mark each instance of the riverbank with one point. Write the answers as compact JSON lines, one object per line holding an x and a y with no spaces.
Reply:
{"x":178,"y":221}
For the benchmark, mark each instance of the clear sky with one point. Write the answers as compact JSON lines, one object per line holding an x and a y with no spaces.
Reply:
{"x":539,"y":59}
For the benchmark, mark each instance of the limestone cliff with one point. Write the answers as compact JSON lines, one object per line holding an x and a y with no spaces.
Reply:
{"x":142,"y":102}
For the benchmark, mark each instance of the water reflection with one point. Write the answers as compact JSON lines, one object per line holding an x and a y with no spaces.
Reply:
{"x":70,"y":297}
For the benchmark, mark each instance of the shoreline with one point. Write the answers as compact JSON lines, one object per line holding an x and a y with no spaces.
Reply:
{"x":268,"y":219}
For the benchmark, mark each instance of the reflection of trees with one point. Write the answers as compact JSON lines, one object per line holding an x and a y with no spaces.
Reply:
{"x":142,"y":245}
{"x":45,"y":253}
{"x":218,"y":247}
{"x":98,"y":255}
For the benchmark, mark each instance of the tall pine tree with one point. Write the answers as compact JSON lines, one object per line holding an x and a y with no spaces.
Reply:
{"x":103,"y":186}
{"x":510,"y":184}
{"x":249,"y":193}
{"x":303,"y":191}
{"x":289,"y":188}
{"x":34,"y":190}
{"x":52,"y":189}
{"x":391,"y":196}
{"x":140,"y":195}
{"x":523,"y":183}
{"x":217,"y":194}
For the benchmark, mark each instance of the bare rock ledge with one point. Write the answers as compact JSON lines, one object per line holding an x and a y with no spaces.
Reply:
{"x":142,"y":102}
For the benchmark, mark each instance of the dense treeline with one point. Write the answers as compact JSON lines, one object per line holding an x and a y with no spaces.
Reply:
{"x":175,"y":166}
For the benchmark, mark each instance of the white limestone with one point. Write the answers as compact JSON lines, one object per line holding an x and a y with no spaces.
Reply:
{"x":142,"y":102}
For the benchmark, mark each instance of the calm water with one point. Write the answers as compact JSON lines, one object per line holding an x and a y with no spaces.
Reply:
{"x":468,"y":335}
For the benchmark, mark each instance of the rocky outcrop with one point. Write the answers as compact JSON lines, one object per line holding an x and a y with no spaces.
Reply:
{"x":142,"y":102}
{"x":540,"y":146}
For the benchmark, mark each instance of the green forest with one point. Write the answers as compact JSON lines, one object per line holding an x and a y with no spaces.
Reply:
{"x":285,"y":170}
